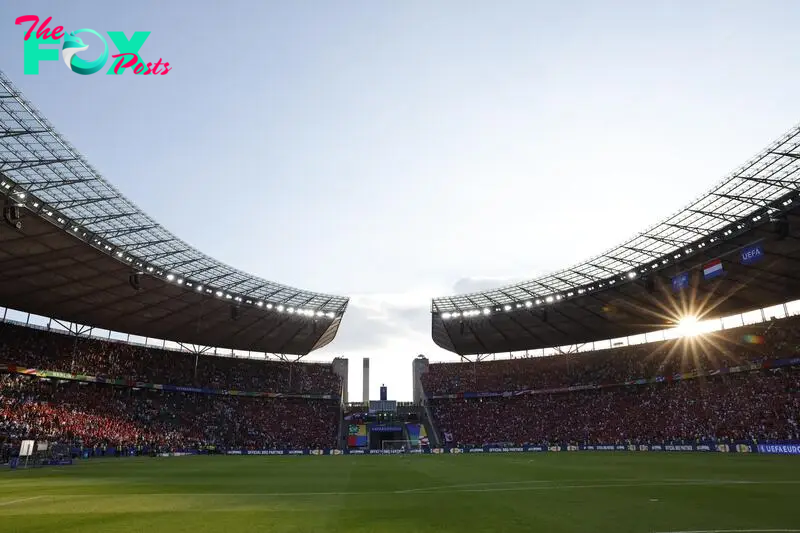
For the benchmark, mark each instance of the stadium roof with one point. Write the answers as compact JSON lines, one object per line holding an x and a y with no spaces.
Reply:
{"x":80,"y":232}
{"x":572,"y":305}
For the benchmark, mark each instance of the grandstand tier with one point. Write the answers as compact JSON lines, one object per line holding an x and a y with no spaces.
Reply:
{"x":749,"y":224}
{"x":73,"y":248}
{"x":741,"y":384}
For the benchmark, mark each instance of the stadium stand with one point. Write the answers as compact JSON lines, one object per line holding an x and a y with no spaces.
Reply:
{"x":38,"y":349}
{"x":758,"y":404}
{"x":103,"y":416}
{"x":761,"y":405}
{"x":713,"y":351}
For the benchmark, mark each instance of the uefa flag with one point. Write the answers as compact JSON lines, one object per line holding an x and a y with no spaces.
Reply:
{"x":713,"y":269}
{"x":680,"y":282}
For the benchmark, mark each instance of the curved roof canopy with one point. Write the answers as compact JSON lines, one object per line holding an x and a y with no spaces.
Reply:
{"x":43,"y":174}
{"x":742,"y":207}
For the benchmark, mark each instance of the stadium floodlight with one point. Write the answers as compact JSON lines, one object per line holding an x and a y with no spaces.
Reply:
{"x":486,"y":311}
{"x":549,"y":299}
{"x":219,"y":294}
{"x":269,"y":306}
{"x":529,"y":304}
{"x":170,"y":277}
{"x":180,"y":281}
{"x":506,"y":307}
{"x":445,"y":316}
{"x":260,"y":304}
{"x":320,"y":313}
{"x":228,"y":296}
{"x":290,"y":310}
{"x":330,"y":314}
{"x":199,"y":288}
{"x":280,"y":308}
{"x":631,"y":275}
{"x":21,"y":195}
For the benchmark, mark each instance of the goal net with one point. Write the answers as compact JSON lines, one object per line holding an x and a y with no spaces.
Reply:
{"x":399,"y":445}
{"x":39,"y":453}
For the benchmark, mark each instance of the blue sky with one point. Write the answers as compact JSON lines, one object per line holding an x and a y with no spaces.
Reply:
{"x":395,"y":151}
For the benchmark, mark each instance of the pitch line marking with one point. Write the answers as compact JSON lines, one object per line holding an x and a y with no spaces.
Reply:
{"x":12,"y":502}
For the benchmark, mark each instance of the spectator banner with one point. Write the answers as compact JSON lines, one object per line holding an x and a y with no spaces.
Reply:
{"x":156,"y":386}
{"x":773,"y":363}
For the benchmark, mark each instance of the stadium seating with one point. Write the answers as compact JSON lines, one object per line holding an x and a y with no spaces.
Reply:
{"x":43,"y":350}
{"x":95,"y":415}
{"x":758,"y":405}
{"x":762,"y":404}
{"x":778,"y":339}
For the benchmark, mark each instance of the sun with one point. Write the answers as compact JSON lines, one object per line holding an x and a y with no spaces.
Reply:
{"x":689,"y":326}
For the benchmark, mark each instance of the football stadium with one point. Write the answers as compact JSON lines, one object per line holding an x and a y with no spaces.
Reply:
{"x":651,"y":388}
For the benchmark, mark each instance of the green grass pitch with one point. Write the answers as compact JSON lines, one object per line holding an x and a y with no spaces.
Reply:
{"x":552,"y":492}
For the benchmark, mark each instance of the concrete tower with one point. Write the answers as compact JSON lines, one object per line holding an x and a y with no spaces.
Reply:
{"x":365,"y":399}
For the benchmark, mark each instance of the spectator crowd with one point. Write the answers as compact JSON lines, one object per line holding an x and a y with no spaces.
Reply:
{"x":98,"y":415}
{"x":757,"y":405}
{"x":43,"y":350}
{"x":713,"y":351}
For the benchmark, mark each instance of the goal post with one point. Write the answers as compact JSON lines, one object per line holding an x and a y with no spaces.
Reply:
{"x":399,"y":445}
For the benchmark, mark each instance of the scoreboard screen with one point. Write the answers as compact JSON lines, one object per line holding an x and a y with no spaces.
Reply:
{"x":382,"y":406}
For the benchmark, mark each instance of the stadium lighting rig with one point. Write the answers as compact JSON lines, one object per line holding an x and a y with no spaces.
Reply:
{"x":33,"y":204}
{"x":769,"y":214}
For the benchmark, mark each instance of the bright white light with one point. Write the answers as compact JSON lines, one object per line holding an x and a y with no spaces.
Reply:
{"x":260,"y":304}
{"x":445,"y":316}
{"x":486,"y":311}
{"x":529,"y":304}
{"x":689,"y":326}
{"x":21,"y":195}
{"x":290,"y":310}
{"x":180,"y":281}
{"x":506,"y":307}
{"x":329,"y":314}
{"x":280,"y":308}
{"x":219,"y":294}
{"x":549,"y":299}
{"x":631,"y":275}
{"x":269,"y":306}
{"x":170,"y":277}
{"x":320,"y":313}
{"x":199,"y":288}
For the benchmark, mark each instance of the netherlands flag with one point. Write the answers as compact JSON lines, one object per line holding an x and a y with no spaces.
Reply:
{"x":713,"y":269}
